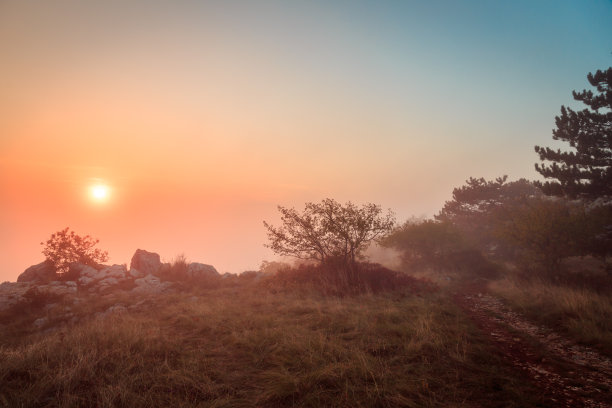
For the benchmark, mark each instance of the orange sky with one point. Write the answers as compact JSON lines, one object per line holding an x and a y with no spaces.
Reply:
{"x":202,"y":118}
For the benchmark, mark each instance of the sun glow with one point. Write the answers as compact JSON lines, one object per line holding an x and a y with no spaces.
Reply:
{"x":99,"y":192}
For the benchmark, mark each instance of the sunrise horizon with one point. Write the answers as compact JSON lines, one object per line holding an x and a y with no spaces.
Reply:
{"x":179,"y":128}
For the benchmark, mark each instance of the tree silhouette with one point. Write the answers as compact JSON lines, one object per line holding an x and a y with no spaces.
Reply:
{"x":65,"y":247}
{"x":584,"y":171}
{"x":328,"y":230}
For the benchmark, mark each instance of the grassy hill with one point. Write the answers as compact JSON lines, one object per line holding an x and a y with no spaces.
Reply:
{"x":253,"y":345}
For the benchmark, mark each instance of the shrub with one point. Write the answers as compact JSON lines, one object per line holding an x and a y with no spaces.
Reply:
{"x":338,"y":279}
{"x":66,"y":247}
{"x":175,"y":271}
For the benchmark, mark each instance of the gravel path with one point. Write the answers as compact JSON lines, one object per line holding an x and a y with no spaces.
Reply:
{"x":569,"y":375}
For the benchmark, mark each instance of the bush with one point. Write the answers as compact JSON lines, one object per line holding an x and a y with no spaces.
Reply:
{"x":175,"y":271}
{"x":339,"y":279}
{"x":66,"y":247}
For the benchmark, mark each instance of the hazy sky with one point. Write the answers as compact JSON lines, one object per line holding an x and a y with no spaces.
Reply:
{"x":203,"y":116}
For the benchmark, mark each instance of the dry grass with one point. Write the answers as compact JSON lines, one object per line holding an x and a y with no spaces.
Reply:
{"x":237,"y":347}
{"x":580,"y":312}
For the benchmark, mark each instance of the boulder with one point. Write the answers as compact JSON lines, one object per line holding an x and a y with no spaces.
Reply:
{"x":145,"y":262}
{"x":198,"y":270}
{"x":38,"y":323}
{"x":135,"y":273}
{"x":58,"y":288}
{"x":88,"y":274}
{"x":115,"y":271}
{"x":109,"y":281}
{"x":12,"y":293}
{"x":77,"y":269}
{"x":41,"y":273}
{"x":86,"y":280}
{"x":150,"y":284}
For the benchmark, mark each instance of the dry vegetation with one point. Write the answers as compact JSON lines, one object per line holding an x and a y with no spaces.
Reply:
{"x":250,"y":345}
{"x":580,"y":312}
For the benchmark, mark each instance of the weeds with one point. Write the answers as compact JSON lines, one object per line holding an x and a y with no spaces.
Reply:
{"x":251,"y":347}
{"x":580,"y":312}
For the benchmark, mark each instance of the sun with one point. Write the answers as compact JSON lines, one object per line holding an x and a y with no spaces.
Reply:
{"x":99,"y":192}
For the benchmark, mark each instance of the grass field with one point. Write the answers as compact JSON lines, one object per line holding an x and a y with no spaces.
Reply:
{"x":250,"y":346}
{"x":580,"y":312}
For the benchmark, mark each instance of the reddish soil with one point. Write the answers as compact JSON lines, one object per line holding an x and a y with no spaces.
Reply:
{"x":568,"y":374}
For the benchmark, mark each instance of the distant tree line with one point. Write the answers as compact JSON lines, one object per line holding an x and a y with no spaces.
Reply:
{"x":531,"y":224}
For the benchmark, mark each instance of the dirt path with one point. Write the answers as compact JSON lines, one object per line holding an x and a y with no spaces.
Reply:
{"x":568,"y":374}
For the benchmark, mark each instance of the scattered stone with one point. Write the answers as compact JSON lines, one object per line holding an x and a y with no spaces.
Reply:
{"x":38,"y":323}
{"x":40,"y":286}
{"x":59,"y":289}
{"x":198,"y":270}
{"x":146,"y":262}
{"x":150,"y":284}
{"x":86,"y":280}
{"x":135,"y":273}
{"x":110,"y":281}
{"x":89,"y":274}
{"x":117,"y":309}
{"x":40,"y":273}
{"x":115,"y":271}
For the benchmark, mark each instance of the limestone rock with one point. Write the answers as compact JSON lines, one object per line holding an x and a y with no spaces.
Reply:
{"x":87,"y":273}
{"x":199,"y":270}
{"x":109,"y":281}
{"x":12,"y":293}
{"x":86,"y":280}
{"x":135,"y":273}
{"x":38,"y":323}
{"x":115,"y":271}
{"x":58,"y":288}
{"x":42,"y":272}
{"x":145,"y":262}
{"x":150,"y":284}
{"x":118,"y":309}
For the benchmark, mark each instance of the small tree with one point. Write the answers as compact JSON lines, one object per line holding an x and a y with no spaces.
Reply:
{"x":545,"y":231}
{"x":65,"y":247}
{"x":329,"y":230}
{"x":479,"y":205}
{"x":425,"y":243}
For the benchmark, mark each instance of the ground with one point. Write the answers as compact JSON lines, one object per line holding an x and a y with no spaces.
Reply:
{"x":568,"y":374}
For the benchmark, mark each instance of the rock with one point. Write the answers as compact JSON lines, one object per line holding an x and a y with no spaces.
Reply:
{"x":115,"y":271}
{"x":147,"y":280}
{"x":150,"y":284}
{"x":135,"y":273}
{"x":42,"y":272}
{"x":38,"y":323}
{"x":108,"y":275}
{"x":145,"y":262}
{"x":12,"y":293}
{"x":110,"y":281}
{"x":199,"y":270}
{"x":85,"y":280}
{"x":75,"y":270}
{"x":59,"y":289}
{"x":118,"y":309}
{"x":87,"y":273}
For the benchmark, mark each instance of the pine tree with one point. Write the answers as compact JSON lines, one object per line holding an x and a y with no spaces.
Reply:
{"x":585,"y":170}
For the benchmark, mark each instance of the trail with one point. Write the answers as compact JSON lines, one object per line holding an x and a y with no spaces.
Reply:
{"x":568,"y":374}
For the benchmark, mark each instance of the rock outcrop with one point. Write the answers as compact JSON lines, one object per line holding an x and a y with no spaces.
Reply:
{"x":41,"y":273}
{"x":197,"y":270}
{"x":145,"y":262}
{"x":39,"y":283}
